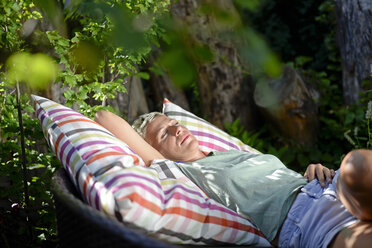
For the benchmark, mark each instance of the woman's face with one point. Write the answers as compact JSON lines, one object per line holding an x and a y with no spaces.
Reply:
{"x":172,"y":140}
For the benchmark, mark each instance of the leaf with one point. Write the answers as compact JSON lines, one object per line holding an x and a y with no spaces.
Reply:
{"x":349,"y":118}
{"x":70,"y":80}
{"x":87,"y":55}
{"x":42,"y":71}
{"x":249,"y":4}
{"x":54,"y":13}
{"x":37,"y":70}
{"x":181,"y":70}
{"x":143,"y":75}
{"x":68,"y":94}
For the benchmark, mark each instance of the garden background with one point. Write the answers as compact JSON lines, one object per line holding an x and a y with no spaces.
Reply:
{"x":290,"y":78}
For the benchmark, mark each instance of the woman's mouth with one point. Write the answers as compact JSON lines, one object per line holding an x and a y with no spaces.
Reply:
{"x":185,"y":138}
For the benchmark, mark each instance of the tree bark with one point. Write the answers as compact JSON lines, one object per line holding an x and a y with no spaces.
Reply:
{"x":225,"y":94}
{"x":354,"y":37}
{"x":161,"y":87}
{"x":290,"y":107}
{"x":132,"y":103}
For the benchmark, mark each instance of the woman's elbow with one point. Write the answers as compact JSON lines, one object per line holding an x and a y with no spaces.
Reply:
{"x":101,"y":115}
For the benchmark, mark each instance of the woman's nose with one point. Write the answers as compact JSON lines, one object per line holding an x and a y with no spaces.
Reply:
{"x":176,"y":130}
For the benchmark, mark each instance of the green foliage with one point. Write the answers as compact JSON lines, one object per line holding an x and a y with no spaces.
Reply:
{"x":358,"y":121}
{"x":98,"y":58}
{"x":97,"y":45}
{"x":315,"y":54}
{"x":37,"y":70}
{"x":184,"y":50}
{"x":21,"y":225}
{"x":19,"y":231}
{"x":250,"y":5}
{"x":311,"y":48}
{"x":342,"y":128}
{"x":296,"y":28}
{"x":12,"y":16}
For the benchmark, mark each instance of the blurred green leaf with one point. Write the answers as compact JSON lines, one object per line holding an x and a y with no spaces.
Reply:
{"x":54,"y":14}
{"x":37,"y":70}
{"x":251,"y":5}
{"x":125,"y":31}
{"x":203,"y":53}
{"x":302,"y":60}
{"x":88,"y":56}
{"x":264,"y":95}
{"x":180,"y":68}
{"x":257,"y":54}
{"x":17,"y":66}
{"x":349,"y":118}
{"x":143,"y":75}
{"x":225,"y":19}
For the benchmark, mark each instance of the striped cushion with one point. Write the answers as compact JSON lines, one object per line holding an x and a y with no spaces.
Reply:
{"x":158,"y":199}
{"x":210,"y":137}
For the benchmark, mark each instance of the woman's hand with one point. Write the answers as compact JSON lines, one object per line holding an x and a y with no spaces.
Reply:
{"x":320,"y":172}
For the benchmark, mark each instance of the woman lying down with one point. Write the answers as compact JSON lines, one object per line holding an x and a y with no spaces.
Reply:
{"x":291,"y":210}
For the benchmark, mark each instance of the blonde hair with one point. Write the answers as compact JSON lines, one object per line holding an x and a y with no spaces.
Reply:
{"x":140,"y":124}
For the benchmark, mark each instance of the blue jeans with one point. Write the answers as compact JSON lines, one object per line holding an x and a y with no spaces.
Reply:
{"x":315,"y":217}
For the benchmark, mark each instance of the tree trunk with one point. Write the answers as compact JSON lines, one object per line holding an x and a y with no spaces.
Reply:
{"x":290,"y":107}
{"x":162,"y":87}
{"x":133,"y":103}
{"x":354,"y":37}
{"x":225,"y":94}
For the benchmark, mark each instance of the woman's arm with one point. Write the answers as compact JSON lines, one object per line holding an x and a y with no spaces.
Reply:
{"x":123,"y":131}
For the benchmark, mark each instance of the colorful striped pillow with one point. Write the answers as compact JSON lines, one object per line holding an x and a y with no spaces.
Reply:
{"x":210,"y":137}
{"x":159,"y":199}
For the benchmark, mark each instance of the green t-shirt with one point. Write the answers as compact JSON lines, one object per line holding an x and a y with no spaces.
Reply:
{"x":257,"y":186}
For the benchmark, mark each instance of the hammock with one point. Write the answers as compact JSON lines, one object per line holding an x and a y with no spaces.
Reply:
{"x":80,"y":225}
{"x":104,"y":181}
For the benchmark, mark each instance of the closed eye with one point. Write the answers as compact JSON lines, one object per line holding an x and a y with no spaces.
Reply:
{"x":164,"y":133}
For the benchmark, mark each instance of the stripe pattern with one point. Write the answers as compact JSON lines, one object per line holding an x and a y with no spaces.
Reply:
{"x":210,"y":137}
{"x":158,"y":199}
